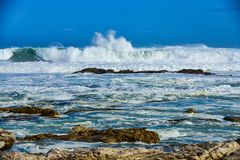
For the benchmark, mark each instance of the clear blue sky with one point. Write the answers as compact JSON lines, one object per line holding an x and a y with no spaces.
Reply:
{"x":143,"y":22}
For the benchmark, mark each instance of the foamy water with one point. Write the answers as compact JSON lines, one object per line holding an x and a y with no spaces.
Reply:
{"x":118,"y":53}
{"x":42,"y":77}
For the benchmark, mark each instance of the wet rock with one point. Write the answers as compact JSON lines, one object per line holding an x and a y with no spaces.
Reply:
{"x":232,"y":118}
{"x":104,"y":71}
{"x":7,"y":139}
{"x":194,"y":71}
{"x":81,"y":133}
{"x":128,"y":71}
{"x":95,"y":71}
{"x":46,"y":112}
{"x":190,"y":110}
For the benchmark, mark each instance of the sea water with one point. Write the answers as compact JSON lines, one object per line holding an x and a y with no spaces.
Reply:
{"x":43,"y":77}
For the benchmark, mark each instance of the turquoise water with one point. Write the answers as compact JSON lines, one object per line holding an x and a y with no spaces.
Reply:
{"x":144,"y":100}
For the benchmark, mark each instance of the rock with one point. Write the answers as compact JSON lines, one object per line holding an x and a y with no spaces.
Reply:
{"x":7,"y":139}
{"x":46,"y":112}
{"x":128,"y":71}
{"x":104,"y":71}
{"x":194,"y":71}
{"x":95,"y":71}
{"x":209,"y":151}
{"x":21,"y":156}
{"x":205,"y":151}
{"x":81,"y":133}
{"x":190,"y":110}
{"x":232,"y":118}
{"x":233,"y":156}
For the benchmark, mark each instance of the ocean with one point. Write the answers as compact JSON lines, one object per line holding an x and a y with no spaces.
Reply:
{"x":43,"y":77}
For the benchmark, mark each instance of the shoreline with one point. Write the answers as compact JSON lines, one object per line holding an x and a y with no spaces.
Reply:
{"x":229,"y":150}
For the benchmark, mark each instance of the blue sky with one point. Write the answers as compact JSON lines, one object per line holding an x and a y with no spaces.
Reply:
{"x":143,"y":22}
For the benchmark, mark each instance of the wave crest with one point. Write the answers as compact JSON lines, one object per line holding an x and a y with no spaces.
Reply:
{"x":110,"y":49}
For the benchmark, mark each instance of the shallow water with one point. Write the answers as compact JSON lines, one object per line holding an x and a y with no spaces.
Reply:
{"x":143,"y":100}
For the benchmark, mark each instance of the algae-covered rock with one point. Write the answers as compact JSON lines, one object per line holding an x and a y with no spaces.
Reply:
{"x":46,"y":112}
{"x":81,"y":133}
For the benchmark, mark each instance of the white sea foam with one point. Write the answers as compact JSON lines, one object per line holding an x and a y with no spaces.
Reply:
{"x":118,"y":53}
{"x":170,"y":133}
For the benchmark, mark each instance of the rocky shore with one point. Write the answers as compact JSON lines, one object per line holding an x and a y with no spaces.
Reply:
{"x":206,"y":151}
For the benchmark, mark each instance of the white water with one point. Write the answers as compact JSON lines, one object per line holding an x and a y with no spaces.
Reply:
{"x":118,"y":53}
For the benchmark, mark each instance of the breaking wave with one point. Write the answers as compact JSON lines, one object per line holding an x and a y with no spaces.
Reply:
{"x":110,"y":49}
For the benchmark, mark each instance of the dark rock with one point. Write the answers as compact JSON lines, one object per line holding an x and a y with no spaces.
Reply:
{"x":81,"y":133}
{"x":125,"y":71}
{"x":95,"y":70}
{"x":232,"y":118}
{"x":104,"y":71}
{"x":46,"y":112}
{"x":7,"y":139}
{"x":194,"y":71}
{"x":190,"y":110}
{"x":128,"y":71}
{"x":159,"y":71}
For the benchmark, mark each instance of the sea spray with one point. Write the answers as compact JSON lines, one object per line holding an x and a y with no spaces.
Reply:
{"x":118,"y":53}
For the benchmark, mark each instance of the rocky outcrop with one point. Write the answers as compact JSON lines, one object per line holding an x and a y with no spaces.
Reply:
{"x":209,"y":151}
{"x":194,"y":71}
{"x":7,"y":139}
{"x":81,"y":133}
{"x":205,"y":151}
{"x":104,"y":71}
{"x":46,"y":112}
{"x":232,"y":118}
{"x":128,"y":71}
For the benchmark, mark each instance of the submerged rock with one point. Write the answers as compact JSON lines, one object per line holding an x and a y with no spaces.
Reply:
{"x":194,"y":71}
{"x":205,"y":151}
{"x":46,"y":112}
{"x":190,"y":110}
{"x":232,"y":118}
{"x":193,"y":120}
{"x":92,"y":110}
{"x":7,"y":139}
{"x":81,"y":133}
